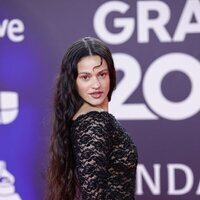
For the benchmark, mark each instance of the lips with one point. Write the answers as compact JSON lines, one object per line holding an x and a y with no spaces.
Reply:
{"x":96,"y":95}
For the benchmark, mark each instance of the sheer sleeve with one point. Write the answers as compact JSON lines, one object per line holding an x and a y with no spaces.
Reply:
{"x":91,"y":150}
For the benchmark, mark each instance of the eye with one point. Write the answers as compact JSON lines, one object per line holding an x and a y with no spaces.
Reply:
{"x":103,"y":74}
{"x":85,"y":77}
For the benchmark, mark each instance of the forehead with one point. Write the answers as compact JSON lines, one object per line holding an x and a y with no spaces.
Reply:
{"x":91,"y":63}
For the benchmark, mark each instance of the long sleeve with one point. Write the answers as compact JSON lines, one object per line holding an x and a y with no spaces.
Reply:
{"x":91,"y":147}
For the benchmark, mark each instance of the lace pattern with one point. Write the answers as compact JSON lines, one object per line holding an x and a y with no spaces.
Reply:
{"x":105,"y":156}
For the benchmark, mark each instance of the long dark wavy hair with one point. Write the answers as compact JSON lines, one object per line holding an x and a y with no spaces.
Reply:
{"x":61,"y":177}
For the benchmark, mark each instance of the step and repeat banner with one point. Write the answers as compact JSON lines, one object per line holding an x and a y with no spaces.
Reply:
{"x":156,"y":50}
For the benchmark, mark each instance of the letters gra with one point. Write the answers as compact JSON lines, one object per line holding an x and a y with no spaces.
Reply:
{"x":144,"y":24}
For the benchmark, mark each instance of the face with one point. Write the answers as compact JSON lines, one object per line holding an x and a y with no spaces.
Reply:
{"x":93,"y":82}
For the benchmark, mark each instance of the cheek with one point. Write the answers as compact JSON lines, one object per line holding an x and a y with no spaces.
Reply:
{"x":78,"y":86}
{"x":108,"y":84}
{"x":81,"y":87}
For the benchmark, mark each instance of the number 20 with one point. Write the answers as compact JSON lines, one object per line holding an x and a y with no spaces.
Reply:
{"x":159,"y":105}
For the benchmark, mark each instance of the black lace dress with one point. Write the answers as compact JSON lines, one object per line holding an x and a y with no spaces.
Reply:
{"x":105,"y":157}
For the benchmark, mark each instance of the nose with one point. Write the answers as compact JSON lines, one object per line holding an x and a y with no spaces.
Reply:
{"x":96,"y":84}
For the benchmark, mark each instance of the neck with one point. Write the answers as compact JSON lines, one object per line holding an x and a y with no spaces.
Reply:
{"x":102,"y":107}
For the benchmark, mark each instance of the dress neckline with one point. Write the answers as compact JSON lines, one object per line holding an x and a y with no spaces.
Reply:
{"x":90,"y":113}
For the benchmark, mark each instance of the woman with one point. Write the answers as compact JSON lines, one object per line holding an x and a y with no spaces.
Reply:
{"x":91,"y":155}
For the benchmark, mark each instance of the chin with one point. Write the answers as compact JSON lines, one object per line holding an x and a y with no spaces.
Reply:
{"x":96,"y":102}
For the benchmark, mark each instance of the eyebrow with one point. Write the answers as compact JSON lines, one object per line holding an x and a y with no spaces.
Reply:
{"x":90,"y":73}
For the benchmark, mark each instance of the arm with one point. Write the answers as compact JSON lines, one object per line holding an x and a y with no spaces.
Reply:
{"x":92,"y":157}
